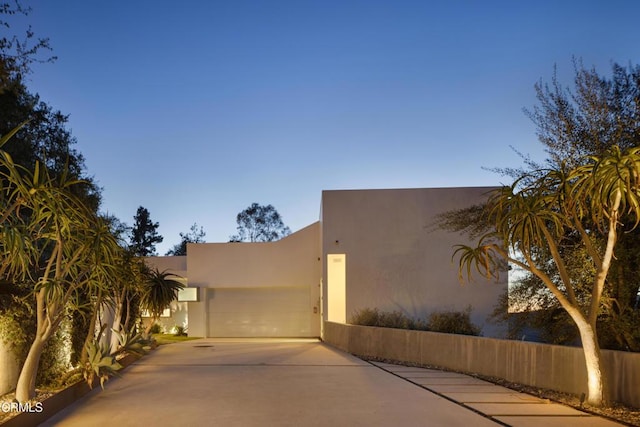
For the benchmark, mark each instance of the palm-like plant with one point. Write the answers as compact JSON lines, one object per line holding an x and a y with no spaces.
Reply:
{"x":158,"y":290}
{"x":585,"y":202}
{"x":51,"y":240}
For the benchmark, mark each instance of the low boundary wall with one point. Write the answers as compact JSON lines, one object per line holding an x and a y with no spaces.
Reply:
{"x":547,"y":366}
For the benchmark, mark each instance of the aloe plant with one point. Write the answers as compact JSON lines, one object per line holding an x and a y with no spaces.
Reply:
{"x":53,"y":241}
{"x":588,"y":201}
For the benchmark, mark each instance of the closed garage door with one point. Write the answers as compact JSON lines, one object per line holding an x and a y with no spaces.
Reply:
{"x":260,"y":312}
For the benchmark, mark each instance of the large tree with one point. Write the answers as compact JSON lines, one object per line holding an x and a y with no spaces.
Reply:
{"x":194,"y":235}
{"x":259,"y":223}
{"x":43,"y":135}
{"x":55,"y":244}
{"x":18,"y":53}
{"x":595,"y":113}
{"x":539,"y":214}
{"x":144,"y":234}
{"x":598,"y":112}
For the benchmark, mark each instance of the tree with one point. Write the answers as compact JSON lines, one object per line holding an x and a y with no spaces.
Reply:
{"x":17,"y":54}
{"x":53,"y":243}
{"x":43,"y":135}
{"x":144,"y":234}
{"x":588,"y":119}
{"x":598,"y":113}
{"x":160,"y":288}
{"x":195,"y":235}
{"x":259,"y":223}
{"x":540,"y":213}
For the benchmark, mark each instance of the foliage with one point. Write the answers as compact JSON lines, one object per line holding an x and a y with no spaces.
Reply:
{"x":540,"y":214}
{"x":385,"y":319}
{"x":55,"y":360}
{"x":17,"y":320}
{"x":162,"y":339}
{"x":156,"y":328}
{"x":531,"y":322}
{"x":598,"y":113}
{"x":80,"y":325}
{"x":130,"y":342}
{"x":17,"y":329}
{"x":18,"y":53}
{"x":101,"y":364}
{"x":159,"y":289}
{"x":195,"y":235}
{"x":54,"y":243}
{"x":259,"y":223}
{"x":366,"y":317}
{"x":144,"y":234}
{"x":453,"y":322}
{"x":180,"y":331}
{"x":450,"y":322}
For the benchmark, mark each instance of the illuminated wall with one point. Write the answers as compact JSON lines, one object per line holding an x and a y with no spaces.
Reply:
{"x":395,"y":259}
{"x":292,"y":262}
{"x":336,"y":288}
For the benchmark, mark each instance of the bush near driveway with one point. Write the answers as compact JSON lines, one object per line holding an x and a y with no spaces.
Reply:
{"x":450,"y":322}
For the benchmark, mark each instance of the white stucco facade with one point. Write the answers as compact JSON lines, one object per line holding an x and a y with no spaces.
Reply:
{"x":395,"y":259}
{"x":370,"y":249}
{"x":253,"y":277}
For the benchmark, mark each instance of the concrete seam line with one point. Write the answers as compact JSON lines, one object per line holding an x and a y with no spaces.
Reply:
{"x":441,"y":395}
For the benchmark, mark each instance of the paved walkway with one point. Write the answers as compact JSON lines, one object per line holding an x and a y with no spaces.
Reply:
{"x":301,"y":383}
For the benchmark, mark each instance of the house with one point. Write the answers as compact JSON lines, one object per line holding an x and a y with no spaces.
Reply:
{"x":370,"y":249}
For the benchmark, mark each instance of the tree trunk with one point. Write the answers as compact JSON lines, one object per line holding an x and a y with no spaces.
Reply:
{"x":26,"y":388}
{"x":595,"y":374}
{"x":91,"y":333}
{"x":147,"y":331}
{"x":116,"y":327}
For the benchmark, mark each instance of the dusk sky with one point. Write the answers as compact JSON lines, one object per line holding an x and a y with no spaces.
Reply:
{"x":196,"y":109}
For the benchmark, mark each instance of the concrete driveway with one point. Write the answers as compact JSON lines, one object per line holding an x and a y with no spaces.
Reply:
{"x":261,"y":383}
{"x":302,"y":383}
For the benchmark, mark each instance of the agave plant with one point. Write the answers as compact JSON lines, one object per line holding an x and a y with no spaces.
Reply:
{"x":100,"y":364}
{"x":130,"y":342}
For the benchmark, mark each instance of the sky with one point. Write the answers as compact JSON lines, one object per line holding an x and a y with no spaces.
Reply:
{"x":197,"y":109}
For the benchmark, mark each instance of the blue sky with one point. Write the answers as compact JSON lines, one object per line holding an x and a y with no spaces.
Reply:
{"x":196,"y":109}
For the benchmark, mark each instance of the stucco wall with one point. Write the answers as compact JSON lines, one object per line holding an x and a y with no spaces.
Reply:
{"x":173,"y":264}
{"x":541,"y":365}
{"x":292,"y":261}
{"x":396,"y":260}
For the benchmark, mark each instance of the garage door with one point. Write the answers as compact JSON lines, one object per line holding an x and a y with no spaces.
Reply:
{"x":260,"y":312}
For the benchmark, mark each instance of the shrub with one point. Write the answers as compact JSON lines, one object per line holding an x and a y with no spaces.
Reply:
{"x":453,"y":322}
{"x":18,"y":327}
{"x":55,"y":358}
{"x":366,"y":317}
{"x":449,"y":322}
{"x":156,"y":328}
{"x":180,"y":331}
{"x":395,"y":319}
{"x":386,"y":319}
